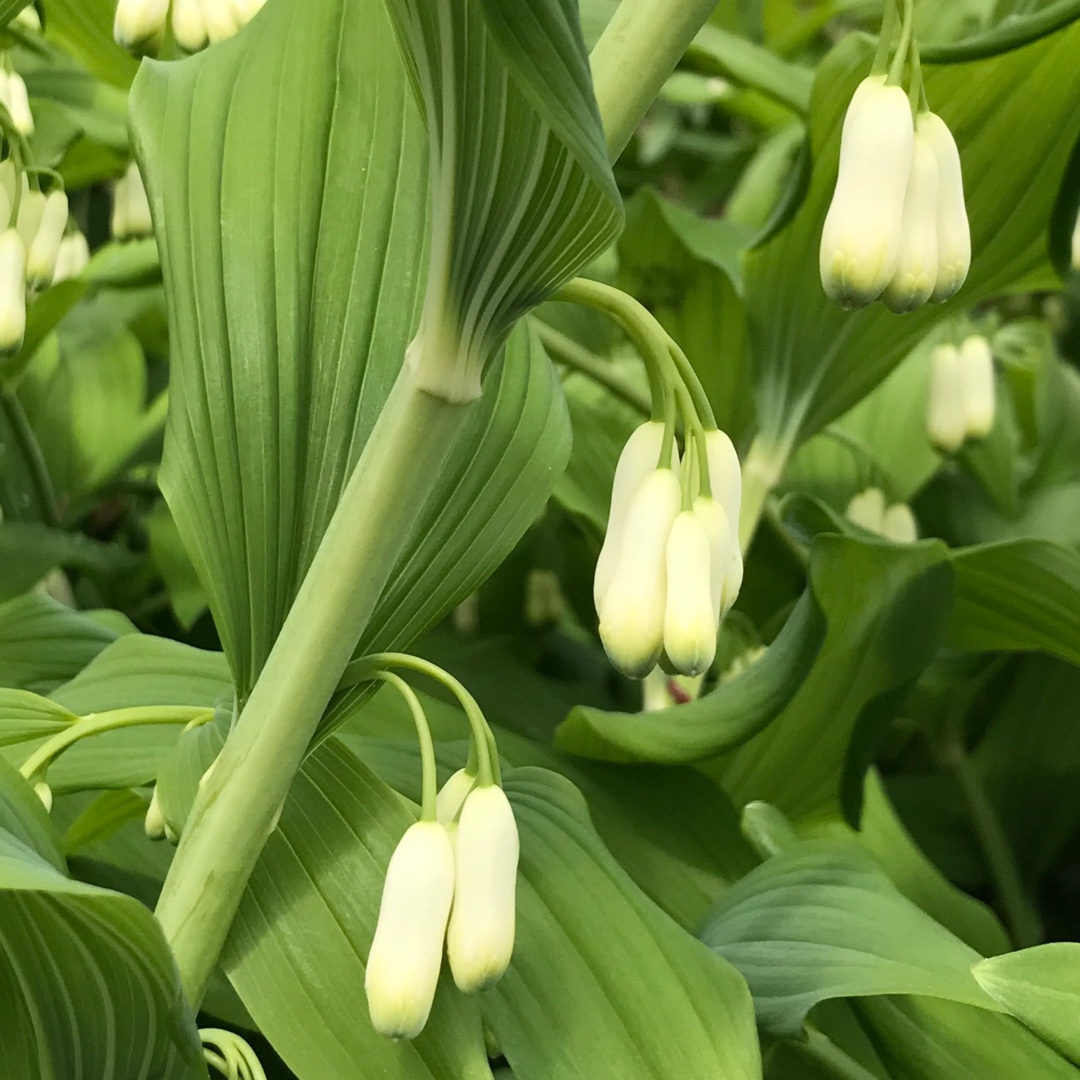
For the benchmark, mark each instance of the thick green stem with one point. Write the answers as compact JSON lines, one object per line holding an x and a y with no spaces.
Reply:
{"x":237,"y":808}
{"x":762,"y":470}
{"x":640,"y":48}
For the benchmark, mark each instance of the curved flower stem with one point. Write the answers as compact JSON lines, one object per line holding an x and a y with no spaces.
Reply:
{"x":423,"y":734}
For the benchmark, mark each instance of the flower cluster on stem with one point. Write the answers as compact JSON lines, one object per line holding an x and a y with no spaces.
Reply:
{"x":962,"y":402}
{"x":140,"y":26}
{"x":870,"y":510}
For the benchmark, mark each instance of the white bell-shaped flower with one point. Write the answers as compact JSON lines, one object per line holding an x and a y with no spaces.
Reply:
{"x":898,"y":524}
{"x":954,"y":231}
{"x":45,"y":248}
{"x":131,"y":215}
{"x":632,"y":614}
{"x":74,"y":257}
{"x":480,"y":940}
{"x":12,"y":290}
{"x":980,"y":398}
{"x":31,"y":211}
{"x":17,"y":101}
{"x":452,"y":795}
{"x":406,"y":953}
{"x":219,"y":20}
{"x":946,"y":414}
{"x":140,"y":25}
{"x":867,"y":510}
{"x":725,"y":478}
{"x":639,"y":457}
{"x":690,"y":619}
{"x":860,"y":243}
{"x":189,"y":26}
{"x":723,"y":555}
{"x":913,"y":282}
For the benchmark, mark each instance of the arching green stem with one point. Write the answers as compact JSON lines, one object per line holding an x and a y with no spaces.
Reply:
{"x":423,"y":735}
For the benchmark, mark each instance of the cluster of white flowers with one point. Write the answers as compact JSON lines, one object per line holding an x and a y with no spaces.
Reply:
{"x":131,"y":216}
{"x":451,"y":884}
{"x":962,"y":400}
{"x":670,"y":566}
{"x":870,"y":511}
{"x":897,"y":228}
{"x":141,"y":25}
{"x":33,"y":231}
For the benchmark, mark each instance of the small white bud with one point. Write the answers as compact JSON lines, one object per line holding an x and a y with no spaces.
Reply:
{"x":44,"y":793}
{"x":219,"y":20}
{"x":639,"y":457}
{"x":913,"y":282}
{"x":980,"y":403}
{"x":406,"y":953}
{"x":898,"y":524}
{"x":946,"y":415}
{"x":867,"y":510}
{"x":131,"y":208}
{"x":480,"y":940}
{"x":154,"y":822}
{"x":690,"y":619}
{"x":140,"y":25}
{"x":12,"y":291}
{"x":954,"y":231}
{"x":41,"y":259}
{"x":73,"y":258}
{"x":632,"y":614}
{"x":189,"y":26}
{"x":860,"y":242}
{"x":18,"y":103}
{"x":452,"y":795}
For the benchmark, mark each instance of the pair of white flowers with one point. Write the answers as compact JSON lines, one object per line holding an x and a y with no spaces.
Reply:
{"x":963,"y":398}
{"x":670,"y":566}
{"x":897,"y":228}
{"x":140,"y":25}
{"x":870,"y":511}
{"x":451,"y":883}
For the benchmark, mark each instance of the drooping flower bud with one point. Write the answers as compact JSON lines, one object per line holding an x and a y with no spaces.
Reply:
{"x":140,"y":25}
{"x":45,"y":248}
{"x":189,"y":26}
{"x":131,"y":215}
{"x":913,"y":282}
{"x":867,"y":510}
{"x":406,"y":953}
{"x":725,"y":476}
{"x":690,"y":619}
{"x":74,"y":257}
{"x":632,"y":614}
{"x":154,"y":822}
{"x":480,"y":940}
{"x":17,"y":101}
{"x":860,"y":243}
{"x":954,"y":231}
{"x":946,"y":414}
{"x":12,"y":291}
{"x":639,"y":457}
{"x":898,"y":524}
{"x":980,"y":403}
{"x":452,"y":796}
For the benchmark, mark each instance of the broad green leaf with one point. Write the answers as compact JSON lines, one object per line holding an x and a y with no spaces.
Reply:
{"x":1041,"y":988}
{"x":291,"y":318}
{"x":814,"y":361}
{"x":9,"y":9}
{"x":823,"y":921}
{"x":886,"y":607}
{"x":623,"y":990}
{"x":85,"y":29}
{"x":90,"y":985}
{"x":815,"y":1058}
{"x":1011,"y":32}
{"x":1017,"y":595}
{"x":25,"y":716}
{"x":24,"y":820}
{"x":724,"y":718}
{"x":187,"y":597}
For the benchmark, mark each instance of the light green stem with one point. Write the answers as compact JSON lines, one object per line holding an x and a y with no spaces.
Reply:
{"x":638,"y":50}
{"x":236,"y":809}
{"x":762,"y":471}
{"x":429,"y":772}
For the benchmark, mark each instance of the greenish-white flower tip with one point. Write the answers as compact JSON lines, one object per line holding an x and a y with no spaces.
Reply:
{"x":861,"y":239}
{"x":44,"y":793}
{"x":45,"y":247}
{"x":131,"y":215}
{"x":867,"y":510}
{"x":915,"y":278}
{"x":946,"y":413}
{"x":452,"y":795}
{"x":12,"y":291}
{"x":16,"y":100}
{"x":73,"y":257}
{"x":640,"y":456}
{"x":953,"y":229}
{"x":154,"y":822}
{"x":980,"y":396}
{"x":406,"y":953}
{"x":480,"y":939}
{"x":632,"y":611}
{"x":899,"y":525}
{"x":189,"y":26}
{"x":690,"y":616}
{"x":140,"y":25}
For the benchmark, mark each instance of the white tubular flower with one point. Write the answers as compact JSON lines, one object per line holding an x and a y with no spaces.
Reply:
{"x":954,"y":232}
{"x":898,"y":524}
{"x":916,"y":269}
{"x":73,"y":259}
{"x":980,"y":399}
{"x":451,"y":797}
{"x":860,"y":243}
{"x":131,"y":208}
{"x":946,"y":415}
{"x":639,"y":457}
{"x":18,"y":103}
{"x":632,"y":614}
{"x":725,"y":477}
{"x":12,"y":291}
{"x":690,"y":619}
{"x":140,"y":25}
{"x":406,"y":953}
{"x":189,"y":26}
{"x":723,"y":553}
{"x":867,"y":510}
{"x":45,"y":248}
{"x":480,"y":940}
{"x":219,"y":20}
{"x":31,"y":211}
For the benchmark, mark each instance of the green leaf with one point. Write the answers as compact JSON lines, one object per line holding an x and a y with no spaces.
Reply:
{"x":814,"y":361}
{"x":24,"y":820}
{"x":823,"y":921}
{"x":84,"y":28}
{"x":25,"y":716}
{"x":291,"y":317}
{"x":1041,"y":988}
{"x":1013,"y":32}
{"x":724,"y":718}
{"x":90,"y":985}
